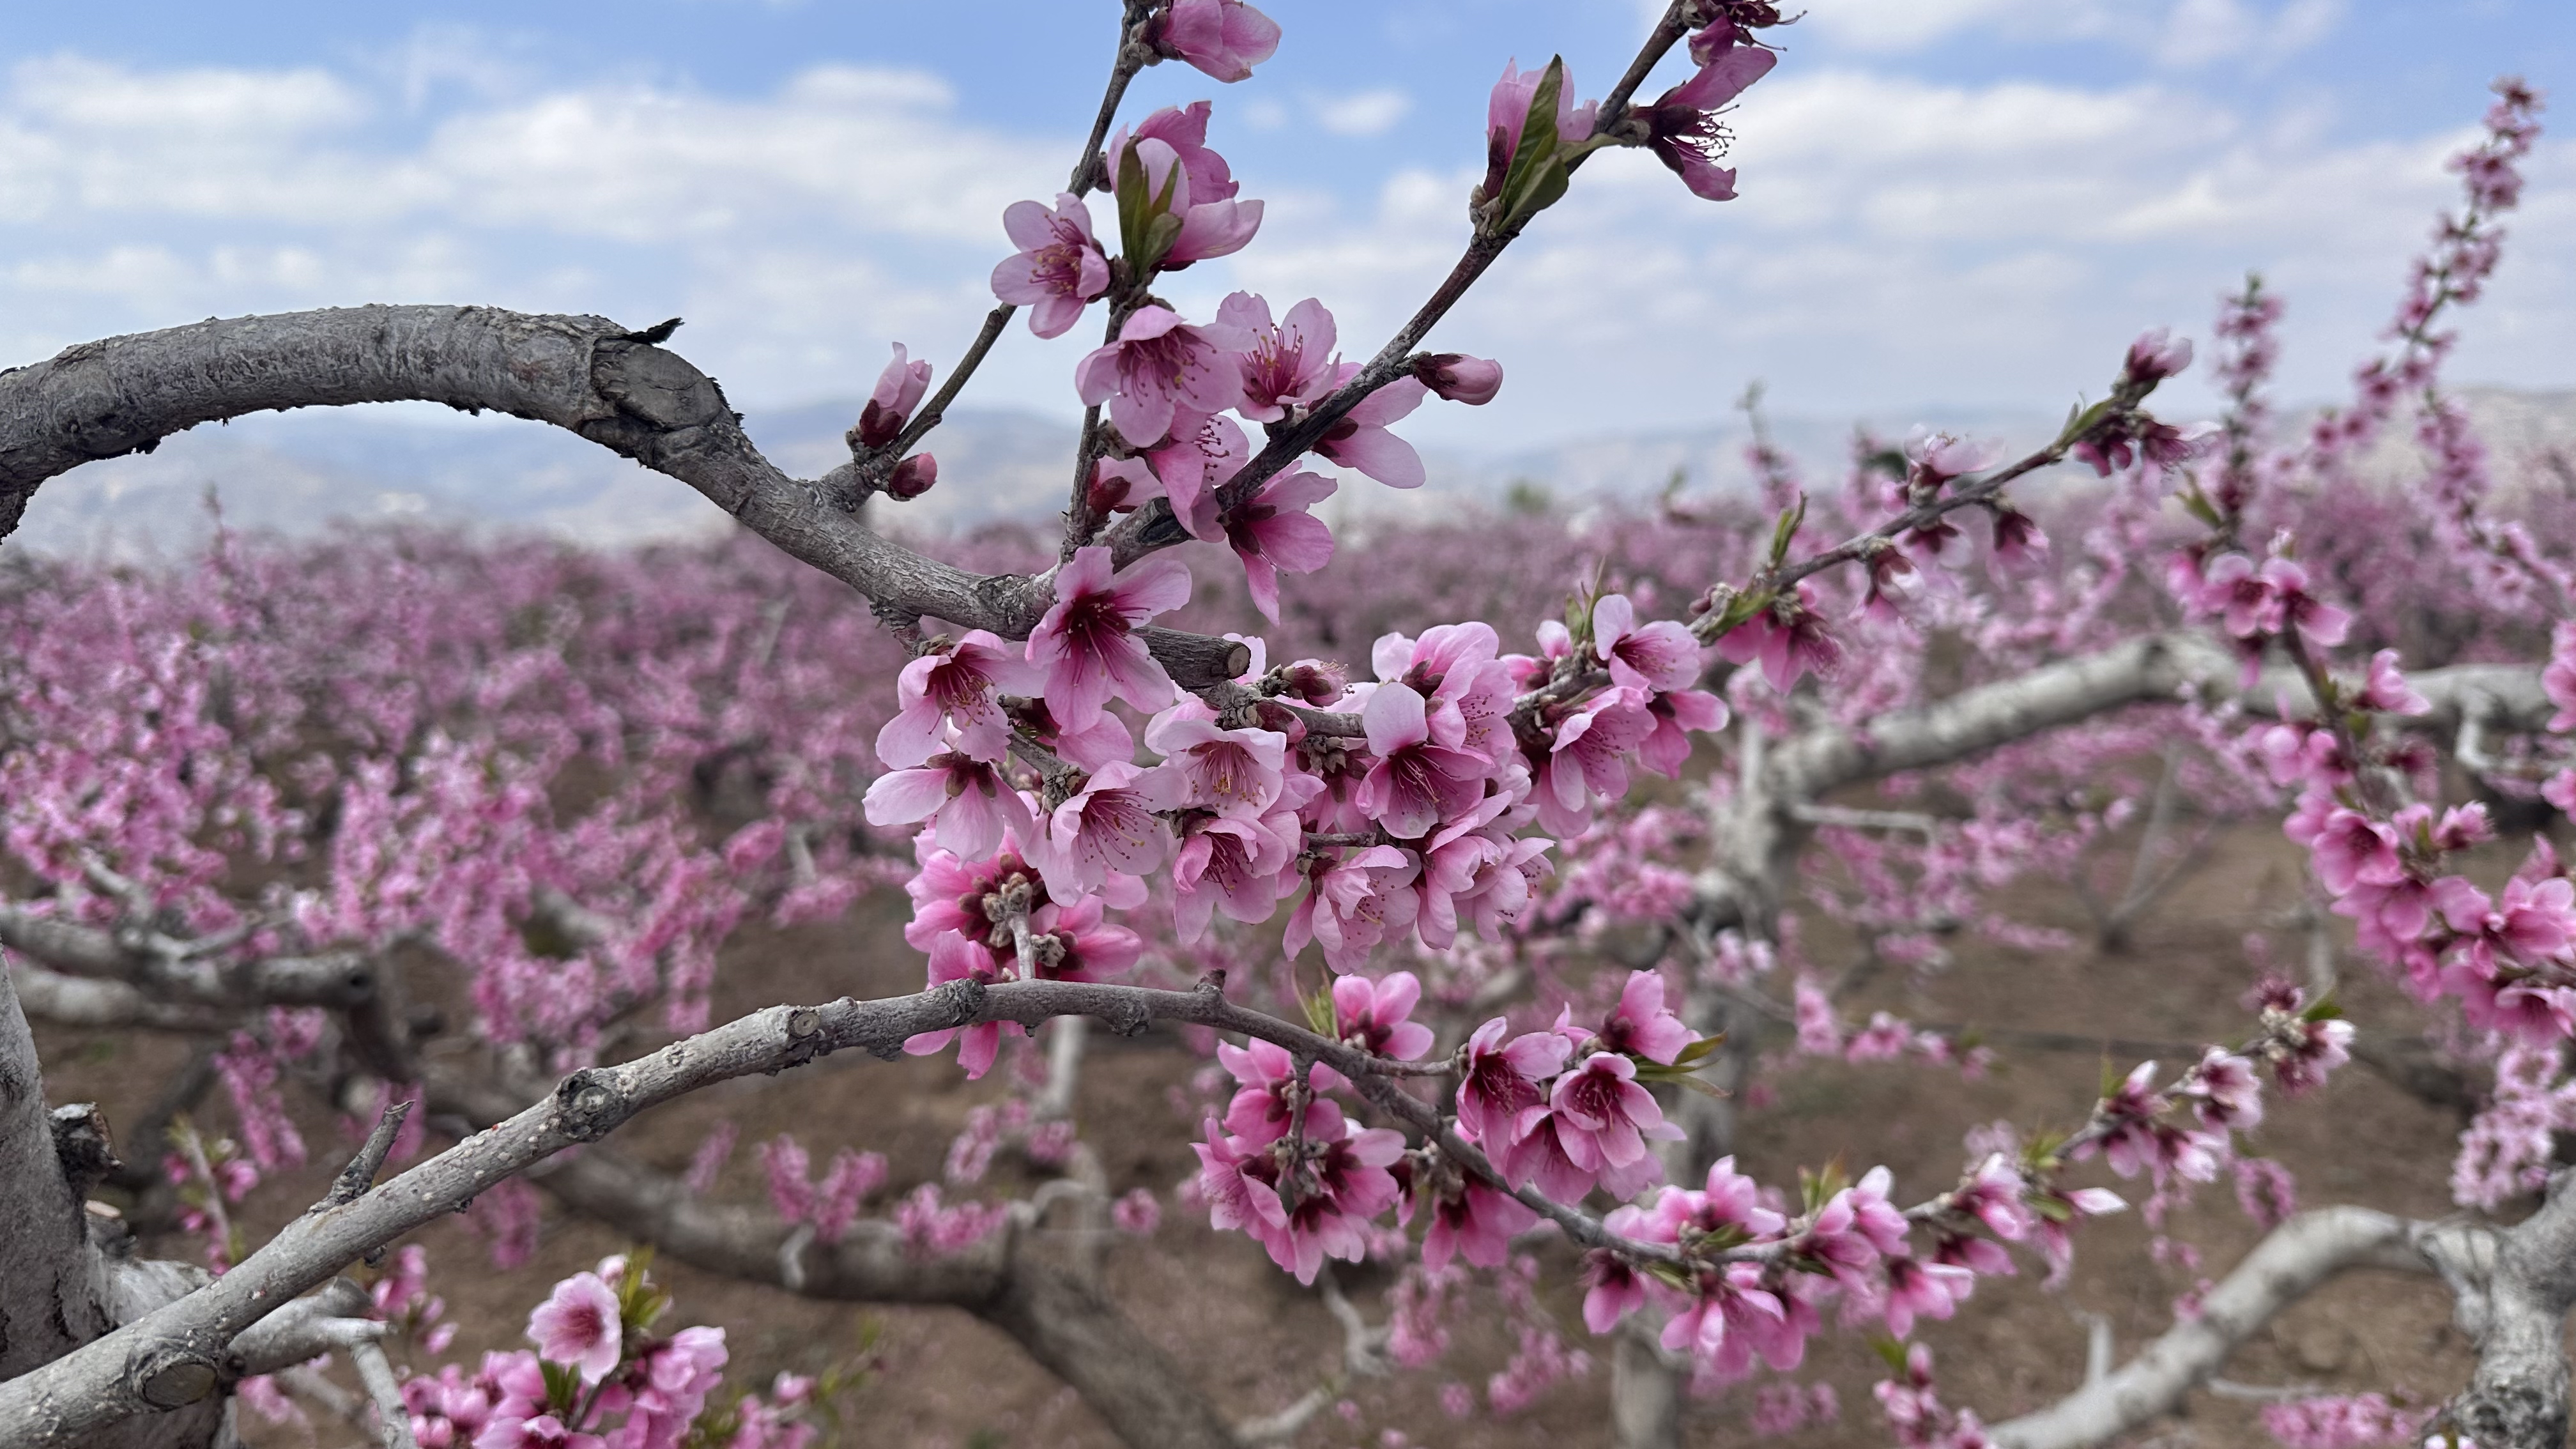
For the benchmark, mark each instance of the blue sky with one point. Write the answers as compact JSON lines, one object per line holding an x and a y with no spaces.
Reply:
{"x":1969,"y":203}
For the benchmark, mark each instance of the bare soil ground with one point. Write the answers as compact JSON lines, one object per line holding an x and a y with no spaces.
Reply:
{"x":1256,"y":1340}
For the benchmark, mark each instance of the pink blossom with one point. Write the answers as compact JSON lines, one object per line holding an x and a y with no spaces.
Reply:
{"x":898,"y":391}
{"x":956,"y":682}
{"x":2020,"y":549}
{"x":1588,"y":756}
{"x":1993,"y":1196}
{"x":912,"y":477}
{"x":1678,"y":714}
{"x":1259,"y":1112}
{"x":1288,"y":364}
{"x":1660,"y":656}
{"x":1200,"y":455}
{"x":578,"y":1326}
{"x":1477,"y":1224}
{"x":1109,"y":825}
{"x":1087,"y":642}
{"x":1467,"y":691}
{"x":1682,"y":125}
{"x":2386,"y":689}
{"x":1727,"y":1205}
{"x":1360,"y":440}
{"x":1137,"y":1213}
{"x":1235,"y":864}
{"x":1223,"y":38}
{"x":1371,"y":1015}
{"x":1500,"y":1085}
{"x":1596,"y":1126}
{"x":1233,"y":772}
{"x":1160,"y":368}
{"x":1789,"y":638}
{"x":1855,"y":1229}
{"x":545,"y":1431}
{"x":1175,"y":174}
{"x":853,"y":1176}
{"x":1353,"y":903}
{"x":2230,"y":1096}
{"x":1641,"y":1026}
{"x":2155,"y":356}
{"x":954,"y":958}
{"x":967,"y":802}
{"x":1121,"y":485}
{"x":1459,"y":378}
{"x":1058,"y":268}
{"x":2355,"y":849}
{"x":790,"y":1174}
{"x":1932,"y":1290}
{"x":2558,"y":677}
{"x":1272,"y":533}
{"x":1413,"y":784}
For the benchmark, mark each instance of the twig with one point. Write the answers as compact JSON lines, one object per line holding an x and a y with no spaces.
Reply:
{"x":393,"y":1420}
{"x":360,"y":1174}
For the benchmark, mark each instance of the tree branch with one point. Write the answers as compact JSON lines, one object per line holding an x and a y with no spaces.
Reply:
{"x":2290,"y":1262}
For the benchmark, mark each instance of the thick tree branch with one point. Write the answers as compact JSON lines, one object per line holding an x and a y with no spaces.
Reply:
{"x":587,"y":375}
{"x":2290,"y":1262}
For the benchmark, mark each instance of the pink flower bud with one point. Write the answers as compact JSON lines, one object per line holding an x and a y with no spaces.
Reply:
{"x":1460,"y":378}
{"x":912,"y":477}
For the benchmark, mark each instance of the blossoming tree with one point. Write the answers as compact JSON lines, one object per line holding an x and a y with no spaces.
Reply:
{"x":309,"y":807}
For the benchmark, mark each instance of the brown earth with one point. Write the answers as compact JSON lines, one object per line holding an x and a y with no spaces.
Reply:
{"x":1257,"y":1340}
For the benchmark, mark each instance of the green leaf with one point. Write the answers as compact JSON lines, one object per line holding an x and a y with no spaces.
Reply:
{"x":2326,"y":1009}
{"x":1889,"y":1349}
{"x":1786,"y":530}
{"x":2200,"y":507}
{"x":1536,"y":179}
{"x":1319,"y":1013}
{"x":1146,"y":225}
{"x":563,"y":1386}
{"x":1699,"y":1049}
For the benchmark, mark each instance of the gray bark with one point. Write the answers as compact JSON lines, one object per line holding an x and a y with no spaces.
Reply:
{"x":2290,"y":1262}
{"x":587,"y":375}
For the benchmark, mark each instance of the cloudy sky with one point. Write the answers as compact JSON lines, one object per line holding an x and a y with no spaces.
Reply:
{"x":1970,"y":203}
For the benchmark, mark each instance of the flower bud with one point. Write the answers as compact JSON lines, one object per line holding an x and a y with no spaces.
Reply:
{"x":912,"y":477}
{"x":1460,"y":378}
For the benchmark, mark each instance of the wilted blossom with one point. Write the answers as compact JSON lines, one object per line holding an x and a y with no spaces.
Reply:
{"x":1087,"y":642}
{"x":1058,"y":268}
{"x":1159,"y":368}
{"x":578,"y":1326}
{"x":898,"y":392}
{"x":1682,"y":126}
{"x":1788,"y":637}
{"x":1223,"y":38}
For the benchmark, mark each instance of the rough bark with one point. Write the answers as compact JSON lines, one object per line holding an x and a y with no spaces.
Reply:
{"x":2516,"y":1310}
{"x":60,"y":1289}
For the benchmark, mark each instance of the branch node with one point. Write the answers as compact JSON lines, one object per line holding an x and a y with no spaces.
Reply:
{"x":173,"y":1378}
{"x":586,"y":1105}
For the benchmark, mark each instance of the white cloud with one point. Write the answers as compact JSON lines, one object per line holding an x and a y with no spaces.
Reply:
{"x":1365,"y":113}
{"x":2174,"y":32}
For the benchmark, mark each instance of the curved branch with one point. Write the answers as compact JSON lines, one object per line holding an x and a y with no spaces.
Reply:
{"x":587,"y":375}
{"x":2290,"y":1262}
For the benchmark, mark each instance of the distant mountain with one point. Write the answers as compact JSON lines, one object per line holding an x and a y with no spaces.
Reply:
{"x":298,"y":472}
